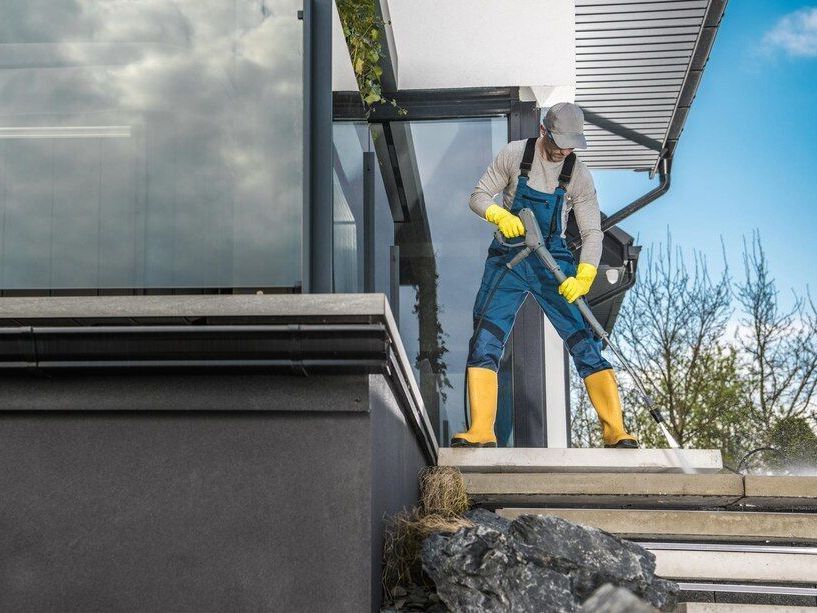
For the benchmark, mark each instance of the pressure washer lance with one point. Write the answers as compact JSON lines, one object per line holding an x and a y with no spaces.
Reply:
{"x":534,"y":243}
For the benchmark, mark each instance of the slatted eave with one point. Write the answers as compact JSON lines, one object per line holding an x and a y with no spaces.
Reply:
{"x":633,"y":63}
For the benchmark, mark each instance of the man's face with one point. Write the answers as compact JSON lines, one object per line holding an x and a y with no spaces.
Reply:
{"x":554,"y":152}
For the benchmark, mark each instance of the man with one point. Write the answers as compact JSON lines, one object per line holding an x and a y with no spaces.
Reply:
{"x":544,"y":175}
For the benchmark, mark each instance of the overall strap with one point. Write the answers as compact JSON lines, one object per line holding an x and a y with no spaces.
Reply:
{"x":527,"y":158}
{"x":564,"y":179}
{"x":567,"y":171}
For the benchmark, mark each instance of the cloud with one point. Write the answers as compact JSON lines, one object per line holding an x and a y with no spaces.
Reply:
{"x":795,"y":34}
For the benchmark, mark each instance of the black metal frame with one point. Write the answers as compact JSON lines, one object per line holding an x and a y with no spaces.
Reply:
{"x":528,"y":335}
{"x":429,"y":104}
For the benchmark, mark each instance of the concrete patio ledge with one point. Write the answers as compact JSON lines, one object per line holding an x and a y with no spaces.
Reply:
{"x":53,"y":310}
{"x":581,"y":460}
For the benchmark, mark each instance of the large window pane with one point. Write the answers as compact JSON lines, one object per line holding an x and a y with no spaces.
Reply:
{"x":351,"y":140}
{"x":436,"y":317}
{"x":150,"y":143}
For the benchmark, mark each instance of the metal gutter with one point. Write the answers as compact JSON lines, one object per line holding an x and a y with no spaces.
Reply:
{"x":692,"y":78}
{"x":299,"y":348}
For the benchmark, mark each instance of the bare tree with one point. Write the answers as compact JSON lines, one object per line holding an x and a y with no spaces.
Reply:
{"x":717,"y":390}
{"x":671,"y":329}
{"x":779,"y":348}
{"x":585,"y":430}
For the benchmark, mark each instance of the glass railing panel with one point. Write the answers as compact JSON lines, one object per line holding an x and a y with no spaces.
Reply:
{"x":154,"y":143}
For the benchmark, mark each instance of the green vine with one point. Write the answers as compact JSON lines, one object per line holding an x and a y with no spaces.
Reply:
{"x":361,"y":28}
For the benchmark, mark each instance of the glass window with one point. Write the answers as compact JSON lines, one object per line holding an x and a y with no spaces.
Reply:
{"x":351,"y":140}
{"x":451,"y":157}
{"x":151,"y":143}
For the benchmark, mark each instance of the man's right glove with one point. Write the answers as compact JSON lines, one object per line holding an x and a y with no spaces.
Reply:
{"x":577,"y":286}
{"x":509,"y":224}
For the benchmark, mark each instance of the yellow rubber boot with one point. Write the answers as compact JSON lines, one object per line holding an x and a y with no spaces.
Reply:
{"x":603,"y":391}
{"x":482,"y":396}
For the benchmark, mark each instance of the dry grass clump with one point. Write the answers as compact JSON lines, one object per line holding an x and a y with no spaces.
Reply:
{"x":443,"y":500}
{"x":442,"y":491}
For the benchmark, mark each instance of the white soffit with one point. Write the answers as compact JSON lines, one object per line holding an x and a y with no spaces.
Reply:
{"x":484,"y":43}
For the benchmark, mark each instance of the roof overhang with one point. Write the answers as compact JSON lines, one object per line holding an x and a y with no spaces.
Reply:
{"x":638,"y":65}
{"x":633,"y":65}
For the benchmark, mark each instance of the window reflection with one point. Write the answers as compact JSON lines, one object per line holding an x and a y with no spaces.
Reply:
{"x":445,"y":272}
{"x":152,"y":143}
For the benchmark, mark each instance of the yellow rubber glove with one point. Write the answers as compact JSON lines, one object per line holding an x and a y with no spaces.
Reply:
{"x":574,"y":287}
{"x":509,"y":224}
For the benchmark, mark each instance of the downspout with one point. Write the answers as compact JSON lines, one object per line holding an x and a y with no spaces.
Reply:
{"x":664,"y":173}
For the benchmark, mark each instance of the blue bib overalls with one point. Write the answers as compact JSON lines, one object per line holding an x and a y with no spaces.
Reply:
{"x":530,"y":275}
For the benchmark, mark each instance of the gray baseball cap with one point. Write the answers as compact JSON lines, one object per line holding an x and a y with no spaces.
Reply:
{"x":565,"y":121}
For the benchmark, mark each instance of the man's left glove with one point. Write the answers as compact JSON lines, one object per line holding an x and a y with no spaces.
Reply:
{"x":574,"y":287}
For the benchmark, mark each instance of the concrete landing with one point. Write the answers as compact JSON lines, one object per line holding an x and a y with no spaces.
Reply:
{"x":581,"y":460}
{"x":733,"y":526}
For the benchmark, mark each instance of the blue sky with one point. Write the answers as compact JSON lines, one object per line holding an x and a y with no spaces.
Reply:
{"x":747,"y":158}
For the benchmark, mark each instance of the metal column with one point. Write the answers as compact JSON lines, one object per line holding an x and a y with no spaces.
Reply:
{"x":528,"y":338}
{"x":318,"y":213}
{"x":368,"y":221}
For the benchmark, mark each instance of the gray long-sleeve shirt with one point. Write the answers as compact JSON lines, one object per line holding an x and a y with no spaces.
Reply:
{"x":503,"y":174}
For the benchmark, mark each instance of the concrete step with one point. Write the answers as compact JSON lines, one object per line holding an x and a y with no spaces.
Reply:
{"x":530,"y":460}
{"x":718,"y":607}
{"x":734,"y":526}
{"x":583,"y":490}
{"x":642,"y":490}
{"x":780,"y":492}
{"x":733,"y":562}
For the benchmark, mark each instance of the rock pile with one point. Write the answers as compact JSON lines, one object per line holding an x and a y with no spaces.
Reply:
{"x":541,"y":563}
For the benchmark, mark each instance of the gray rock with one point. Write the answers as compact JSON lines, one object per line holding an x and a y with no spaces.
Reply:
{"x":487,"y":518}
{"x":477,"y":569}
{"x":591,"y":557}
{"x":662,"y":594}
{"x":537,"y":562}
{"x":611,"y":599}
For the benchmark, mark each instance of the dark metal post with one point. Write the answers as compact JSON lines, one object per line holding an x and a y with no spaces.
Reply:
{"x":368,"y":221}
{"x":568,"y":408}
{"x":528,"y":335}
{"x":394,"y":282}
{"x":318,"y":210}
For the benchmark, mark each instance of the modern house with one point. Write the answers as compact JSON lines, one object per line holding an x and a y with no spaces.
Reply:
{"x":235,"y":309}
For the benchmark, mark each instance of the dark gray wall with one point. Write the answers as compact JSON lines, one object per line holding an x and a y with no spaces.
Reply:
{"x":276,"y":509}
{"x":397,"y":460}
